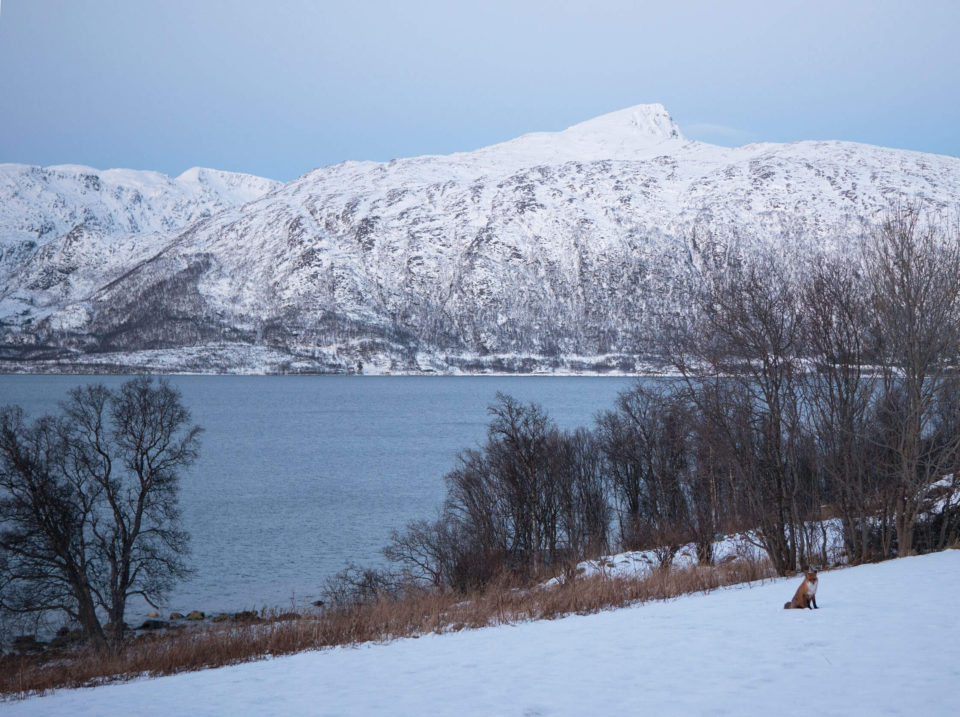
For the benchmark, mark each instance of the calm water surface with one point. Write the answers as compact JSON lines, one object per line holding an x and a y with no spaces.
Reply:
{"x":297,"y":475}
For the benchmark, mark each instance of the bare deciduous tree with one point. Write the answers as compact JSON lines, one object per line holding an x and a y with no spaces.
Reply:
{"x":742,"y":363}
{"x":913,"y":268}
{"x":88,"y":503}
{"x":839,"y":396}
{"x":647,"y":451}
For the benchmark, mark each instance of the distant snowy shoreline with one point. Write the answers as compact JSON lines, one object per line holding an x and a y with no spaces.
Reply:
{"x":256,"y":361}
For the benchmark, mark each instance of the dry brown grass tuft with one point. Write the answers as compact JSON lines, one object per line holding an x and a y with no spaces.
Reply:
{"x":215,"y":645}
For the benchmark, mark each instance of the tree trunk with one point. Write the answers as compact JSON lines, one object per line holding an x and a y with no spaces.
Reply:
{"x":905,"y":523}
{"x":119,"y":627}
{"x":89,"y":623}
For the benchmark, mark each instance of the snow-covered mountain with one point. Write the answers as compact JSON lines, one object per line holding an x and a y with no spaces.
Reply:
{"x":67,"y":230}
{"x":556,"y":249}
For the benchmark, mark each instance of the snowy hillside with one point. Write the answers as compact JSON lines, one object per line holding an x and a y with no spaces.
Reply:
{"x":554,"y":250}
{"x":41,"y":204}
{"x":67,"y":230}
{"x":884,"y":641}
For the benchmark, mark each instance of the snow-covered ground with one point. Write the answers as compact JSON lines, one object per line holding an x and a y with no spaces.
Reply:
{"x":884,"y":641}
{"x":639,"y":563}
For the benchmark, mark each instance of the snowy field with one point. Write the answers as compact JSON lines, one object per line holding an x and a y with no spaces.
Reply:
{"x":886,"y":640}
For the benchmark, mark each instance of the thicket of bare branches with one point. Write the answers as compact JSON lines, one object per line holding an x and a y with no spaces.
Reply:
{"x":832,"y":396}
{"x":838,"y":391}
{"x":530,"y":499}
{"x":913,"y":274}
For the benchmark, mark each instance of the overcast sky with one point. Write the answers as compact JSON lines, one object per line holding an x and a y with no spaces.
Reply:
{"x":278,"y":87}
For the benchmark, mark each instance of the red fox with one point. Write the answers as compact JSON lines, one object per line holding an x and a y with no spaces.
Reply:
{"x":806,"y":595}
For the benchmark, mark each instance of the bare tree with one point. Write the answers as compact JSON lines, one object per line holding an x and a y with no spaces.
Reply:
{"x":583,"y":505}
{"x":740,"y":360}
{"x":624,"y":463}
{"x":89,"y":503}
{"x":913,"y":267}
{"x":518,"y":453}
{"x":433,"y":554}
{"x":647,"y":453}
{"x":531,"y":497}
{"x":839,"y":397}
{"x":710,"y":493}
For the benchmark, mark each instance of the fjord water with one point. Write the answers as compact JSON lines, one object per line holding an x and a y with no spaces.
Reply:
{"x":298,"y":475}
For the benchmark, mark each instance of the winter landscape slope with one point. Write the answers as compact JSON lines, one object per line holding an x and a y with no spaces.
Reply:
{"x":884,"y":641}
{"x":554,"y":251}
{"x":67,"y":230}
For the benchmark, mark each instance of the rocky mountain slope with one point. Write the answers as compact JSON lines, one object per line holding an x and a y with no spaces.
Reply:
{"x":67,"y":230}
{"x":553,"y":251}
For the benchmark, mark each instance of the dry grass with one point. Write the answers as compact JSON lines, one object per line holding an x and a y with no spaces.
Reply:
{"x":214,"y":645}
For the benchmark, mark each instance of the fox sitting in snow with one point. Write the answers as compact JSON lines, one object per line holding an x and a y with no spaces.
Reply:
{"x":806,"y":595}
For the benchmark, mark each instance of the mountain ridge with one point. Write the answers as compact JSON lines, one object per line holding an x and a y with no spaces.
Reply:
{"x":568,"y":250}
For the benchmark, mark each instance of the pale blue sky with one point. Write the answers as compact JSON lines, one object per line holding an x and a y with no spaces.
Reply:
{"x":278,"y":87}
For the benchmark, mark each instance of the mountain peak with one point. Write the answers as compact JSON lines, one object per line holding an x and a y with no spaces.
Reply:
{"x":651,"y":122}
{"x":632,"y":133}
